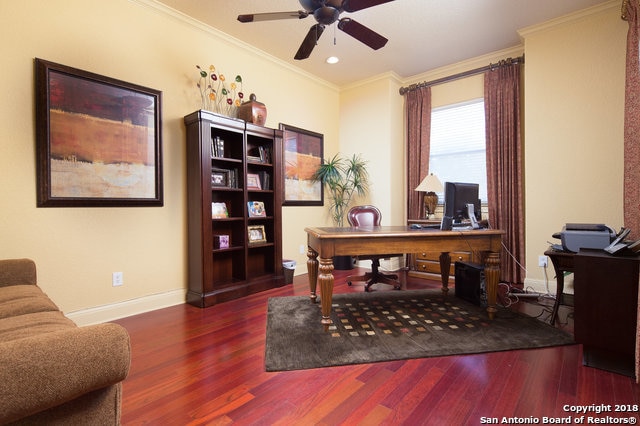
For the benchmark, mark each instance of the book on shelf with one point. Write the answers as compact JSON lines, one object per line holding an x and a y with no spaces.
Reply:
{"x":265,"y":180}
{"x":217,"y":146}
{"x":265,"y":154}
{"x":260,"y":154}
{"x":233,"y":178}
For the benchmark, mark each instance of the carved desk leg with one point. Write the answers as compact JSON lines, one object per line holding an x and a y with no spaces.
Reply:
{"x":326,"y":290}
{"x":312,"y":270}
{"x":445,"y":266}
{"x":492,"y":276}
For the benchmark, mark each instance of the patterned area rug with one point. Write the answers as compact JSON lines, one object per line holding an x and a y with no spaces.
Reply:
{"x":393,"y":325}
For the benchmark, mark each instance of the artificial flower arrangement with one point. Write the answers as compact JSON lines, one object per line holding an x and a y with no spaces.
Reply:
{"x":217,"y":95}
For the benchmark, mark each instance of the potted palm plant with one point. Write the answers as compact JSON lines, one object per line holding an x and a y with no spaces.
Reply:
{"x":344,"y":178}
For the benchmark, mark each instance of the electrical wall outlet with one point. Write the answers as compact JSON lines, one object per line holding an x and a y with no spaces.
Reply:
{"x":542,"y":261}
{"x":117,"y":279}
{"x":303,"y":249}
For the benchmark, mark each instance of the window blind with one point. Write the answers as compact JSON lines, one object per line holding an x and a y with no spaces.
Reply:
{"x":458,"y":147}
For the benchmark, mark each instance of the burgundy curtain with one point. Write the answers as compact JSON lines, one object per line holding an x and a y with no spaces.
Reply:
{"x":418,"y":113}
{"x":632,"y":138}
{"x":632,"y":124}
{"x":504,"y":165}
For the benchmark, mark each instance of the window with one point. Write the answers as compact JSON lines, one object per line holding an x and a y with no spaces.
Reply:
{"x":458,"y":148}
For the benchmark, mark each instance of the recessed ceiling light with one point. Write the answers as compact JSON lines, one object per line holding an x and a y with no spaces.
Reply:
{"x":332,"y":60}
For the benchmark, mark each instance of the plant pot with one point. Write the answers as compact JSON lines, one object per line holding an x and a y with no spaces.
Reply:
{"x":343,"y":263}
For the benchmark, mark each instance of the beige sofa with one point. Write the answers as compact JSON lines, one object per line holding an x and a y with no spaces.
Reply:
{"x":52,"y":371}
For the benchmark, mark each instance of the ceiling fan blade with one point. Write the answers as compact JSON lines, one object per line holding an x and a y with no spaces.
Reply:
{"x":309,"y":41}
{"x":354,"y":5}
{"x":362,"y":33}
{"x":273,"y":16}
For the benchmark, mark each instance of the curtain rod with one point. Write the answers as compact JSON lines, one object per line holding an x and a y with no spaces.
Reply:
{"x":519,"y":59}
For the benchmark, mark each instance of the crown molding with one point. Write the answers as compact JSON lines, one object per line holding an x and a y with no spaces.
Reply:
{"x":163,"y":9}
{"x":570,"y":18}
{"x":469,"y":64}
{"x":388,"y":76}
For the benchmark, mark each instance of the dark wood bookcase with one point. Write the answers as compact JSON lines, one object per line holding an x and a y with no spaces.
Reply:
{"x":235,"y":165}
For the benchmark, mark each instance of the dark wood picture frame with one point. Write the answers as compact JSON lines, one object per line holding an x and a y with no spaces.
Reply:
{"x":302,"y":155}
{"x":220,"y":177}
{"x":98,"y":140}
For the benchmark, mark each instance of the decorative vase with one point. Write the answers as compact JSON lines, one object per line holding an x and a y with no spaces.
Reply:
{"x":253,"y":111}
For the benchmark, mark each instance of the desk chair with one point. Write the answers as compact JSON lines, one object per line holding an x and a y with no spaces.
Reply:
{"x":371,"y":216}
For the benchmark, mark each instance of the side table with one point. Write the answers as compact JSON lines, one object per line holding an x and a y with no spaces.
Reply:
{"x":562,"y":262}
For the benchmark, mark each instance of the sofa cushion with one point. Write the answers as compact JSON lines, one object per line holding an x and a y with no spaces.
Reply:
{"x":29,"y":325}
{"x":17,"y":271}
{"x":23,"y":299}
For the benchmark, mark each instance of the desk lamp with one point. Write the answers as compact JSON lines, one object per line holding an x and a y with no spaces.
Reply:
{"x":430,"y":185}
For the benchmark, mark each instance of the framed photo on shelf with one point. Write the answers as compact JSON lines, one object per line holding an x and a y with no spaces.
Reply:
{"x":303,"y":153}
{"x":219,"y":211}
{"x":219,"y":177}
{"x":256,"y":234}
{"x":253,"y":181}
{"x":98,"y":140}
{"x":256,"y":209}
{"x":221,"y":241}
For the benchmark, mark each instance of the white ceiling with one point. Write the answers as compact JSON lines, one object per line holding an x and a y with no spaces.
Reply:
{"x":423,"y":34}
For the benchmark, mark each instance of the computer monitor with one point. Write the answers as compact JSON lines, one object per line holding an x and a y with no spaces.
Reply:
{"x":457,"y":198}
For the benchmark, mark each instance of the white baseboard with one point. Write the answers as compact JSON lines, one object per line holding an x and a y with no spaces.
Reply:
{"x":540,"y":286}
{"x":106,"y":313}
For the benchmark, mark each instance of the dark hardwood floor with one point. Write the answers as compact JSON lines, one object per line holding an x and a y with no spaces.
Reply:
{"x":206,"y":366}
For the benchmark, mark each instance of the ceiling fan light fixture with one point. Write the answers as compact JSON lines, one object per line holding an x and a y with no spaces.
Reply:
{"x":332,"y":60}
{"x":326,"y":15}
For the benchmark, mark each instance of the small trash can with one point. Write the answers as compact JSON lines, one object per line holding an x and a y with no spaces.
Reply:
{"x":289,"y":267}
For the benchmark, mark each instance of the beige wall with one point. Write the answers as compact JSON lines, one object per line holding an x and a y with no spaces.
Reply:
{"x":370,"y":124}
{"x":573,"y":135}
{"x":77,"y":249}
{"x":574,"y":101}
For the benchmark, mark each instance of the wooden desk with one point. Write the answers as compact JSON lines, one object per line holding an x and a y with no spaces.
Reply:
{"x":324,"y":243}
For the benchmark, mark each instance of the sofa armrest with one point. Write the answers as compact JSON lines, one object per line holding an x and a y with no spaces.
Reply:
{"x":40,"y":372}
{"x":17,"y":272}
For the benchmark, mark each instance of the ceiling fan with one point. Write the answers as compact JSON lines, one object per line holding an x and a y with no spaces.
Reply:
{"x":326,"y":12}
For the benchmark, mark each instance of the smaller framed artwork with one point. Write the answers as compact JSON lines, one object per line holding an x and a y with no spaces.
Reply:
{"x":256,"y":234}
{"x":253,"y":181}
{"x":302,"y":155}
{"x":219,"y":211}
{"x":256,"y":209}
{"x":219,"y":177}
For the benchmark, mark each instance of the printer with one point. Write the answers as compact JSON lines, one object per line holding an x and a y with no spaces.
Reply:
{"x":576,"y":236}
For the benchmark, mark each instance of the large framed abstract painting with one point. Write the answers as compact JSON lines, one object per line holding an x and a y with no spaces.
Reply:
{"x":98,"y":140}
{"x":303,"y":153}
